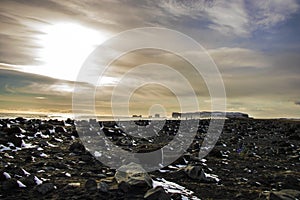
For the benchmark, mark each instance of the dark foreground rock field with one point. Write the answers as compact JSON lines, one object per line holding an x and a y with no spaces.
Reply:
{"x":252,"y":159}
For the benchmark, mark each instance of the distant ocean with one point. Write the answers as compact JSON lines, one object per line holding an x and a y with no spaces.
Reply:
{"x":64,"y":116}
{"x":36,"y":115}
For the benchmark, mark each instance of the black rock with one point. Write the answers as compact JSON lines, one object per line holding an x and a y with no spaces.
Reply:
{"x":217,"y":154}
{"x":10,"y":184}
{"x":103,"y":187}
{"x":194,"y":172}
{"x":58,"y":165}
{"x":77,"y":147}
{"x":3,"y":139}
{"x":69,"y":121}
{"x":13,"y":130}
{"x":75,"y":133}
{"x":157,"y":193}
{"x":19,"y":171}
{"x":88,"y":158}
{"x":17,"y":141}
{"x":20,"y":120}
{"x":124,"y":187}
{"x":45,"y":188}
{"x":91,"y":185}
{"x":29,"y":180}
{"x":59,"y":129}
{"x":45,"y":126}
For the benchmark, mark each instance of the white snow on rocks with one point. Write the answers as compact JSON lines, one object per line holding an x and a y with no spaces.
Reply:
{"x":21,"y":185}
{"x":43,"y":155}
{"x":37,"y":180}
{"x":172,"y":187}
{"x":26,"y":173}
{"x":27,"y":145}
{"x":41,"y":135}
{"x":7,"y":176}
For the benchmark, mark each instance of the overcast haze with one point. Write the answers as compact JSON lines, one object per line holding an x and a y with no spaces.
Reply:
{"x":254,"y":43}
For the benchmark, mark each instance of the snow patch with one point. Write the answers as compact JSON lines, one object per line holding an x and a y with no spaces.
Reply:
{"x":97,"y":154}
{"x":172,"y":187}
{"x":7,"y":176}
{"x":26,"y":173}
{"x":21,"y":185}
{"x":37,"y":180}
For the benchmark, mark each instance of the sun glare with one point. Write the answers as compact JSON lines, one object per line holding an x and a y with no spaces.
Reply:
{"x":65,"y":46}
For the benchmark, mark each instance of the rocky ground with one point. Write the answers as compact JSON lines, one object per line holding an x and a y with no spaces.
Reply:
{"x":253,"y":159}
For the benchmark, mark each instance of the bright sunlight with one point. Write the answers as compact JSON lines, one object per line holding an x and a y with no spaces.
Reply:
{"x":65,"y":46}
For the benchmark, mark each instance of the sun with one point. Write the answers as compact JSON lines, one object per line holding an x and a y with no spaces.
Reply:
{"x":64,"y":47}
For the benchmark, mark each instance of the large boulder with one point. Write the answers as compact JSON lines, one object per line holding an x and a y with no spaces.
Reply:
{"x":135,"y":176}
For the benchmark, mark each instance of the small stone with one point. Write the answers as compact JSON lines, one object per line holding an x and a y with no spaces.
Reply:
{"x":59,"y":129}
{"x":194,"y":172}
{"x":74,"y":184}
{"x":124,"y":187}
{"x":29,"y":180}
{"x":103,"y":187}
{"x":157,"y":193}
{"x":91,"y":185}
{"x":17,"y":141}
{"x":45,"y":188}
{"x":77,"y":147}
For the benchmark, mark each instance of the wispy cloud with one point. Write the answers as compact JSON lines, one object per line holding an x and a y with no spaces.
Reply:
{"x":226,"y":57}
{"x":269,"y":13}
{"x":238,"y":17}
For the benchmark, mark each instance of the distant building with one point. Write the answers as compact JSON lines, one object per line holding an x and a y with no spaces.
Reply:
{"x":205,"y":114}
{"x":136,"y":115}
{"x":157,"y":116}
{"x":233,"y":115}
{"x":176,"y":115}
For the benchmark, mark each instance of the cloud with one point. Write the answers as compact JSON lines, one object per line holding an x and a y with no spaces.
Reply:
{"x":269,"y":13}
{"x":28,"y":83}
{"x":41,"y":98}
{"x":238,"y":17}
{"x":249,"y":72}
{"x":226,"y":57}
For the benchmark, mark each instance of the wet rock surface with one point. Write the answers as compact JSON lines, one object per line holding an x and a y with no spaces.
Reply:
{"x":45,"y":159}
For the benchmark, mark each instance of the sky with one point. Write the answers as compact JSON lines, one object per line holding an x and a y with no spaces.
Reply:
{"x":254,"y":43}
